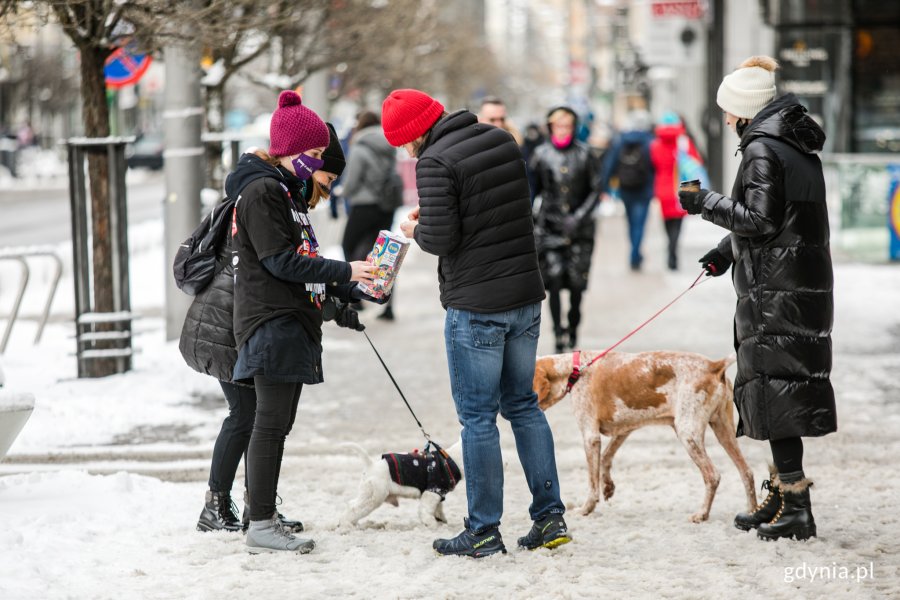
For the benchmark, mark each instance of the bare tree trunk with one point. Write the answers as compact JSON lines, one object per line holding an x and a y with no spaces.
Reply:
{"x":96,"y":125}
{"x":214,"y":101}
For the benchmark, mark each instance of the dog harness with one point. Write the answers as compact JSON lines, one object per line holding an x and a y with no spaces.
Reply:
{"x":432,"y":471}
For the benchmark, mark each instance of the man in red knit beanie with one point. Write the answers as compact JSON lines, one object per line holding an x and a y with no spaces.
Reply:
{"x":474,"y":213}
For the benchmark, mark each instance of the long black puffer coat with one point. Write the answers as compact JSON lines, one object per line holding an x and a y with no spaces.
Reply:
{"x":567,"y":181}
{"x":782,"y":275}
{"x":207,"y":336}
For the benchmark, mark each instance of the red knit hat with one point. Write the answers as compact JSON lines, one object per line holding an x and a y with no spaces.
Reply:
{"x":407,"y":114}
{"x":294,"y":128}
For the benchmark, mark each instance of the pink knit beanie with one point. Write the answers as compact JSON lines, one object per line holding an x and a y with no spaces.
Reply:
{"x":294,"y":128}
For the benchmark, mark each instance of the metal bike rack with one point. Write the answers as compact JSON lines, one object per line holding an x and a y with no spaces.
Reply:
{"x":19,"y":255}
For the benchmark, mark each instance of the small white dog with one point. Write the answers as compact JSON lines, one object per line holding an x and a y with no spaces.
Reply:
{"x":427,"y":476}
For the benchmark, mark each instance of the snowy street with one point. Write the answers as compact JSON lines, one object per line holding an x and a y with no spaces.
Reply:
{"x":101,"y":492}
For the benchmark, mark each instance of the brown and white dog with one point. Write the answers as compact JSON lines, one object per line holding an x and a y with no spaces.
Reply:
{"x":622,"y":392}
{"x":427,"y":477}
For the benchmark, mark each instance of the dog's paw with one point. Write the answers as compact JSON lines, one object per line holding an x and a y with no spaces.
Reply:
{"x":699,"y":517}
{"x":588,"y":507}
{"x":609,"y":488}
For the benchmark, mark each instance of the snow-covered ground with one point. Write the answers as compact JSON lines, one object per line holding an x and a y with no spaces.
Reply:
{"x":101,"y":492}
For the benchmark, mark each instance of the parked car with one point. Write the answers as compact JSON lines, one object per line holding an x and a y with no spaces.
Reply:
{"x":146,"y":152}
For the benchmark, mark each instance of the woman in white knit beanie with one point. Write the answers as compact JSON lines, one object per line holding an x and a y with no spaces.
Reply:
{"x":778,"y":242}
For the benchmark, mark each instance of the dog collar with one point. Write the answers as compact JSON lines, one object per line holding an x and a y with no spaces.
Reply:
{"x":575,"y":375}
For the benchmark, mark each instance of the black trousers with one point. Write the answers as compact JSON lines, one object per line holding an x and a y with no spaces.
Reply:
{"x":673,"y":232}
{"x":787,"y":454}
{"x":361,"y":231}
{"x":234,"y":436}
{"x":574,"y":310}
{"x":276,"y":409}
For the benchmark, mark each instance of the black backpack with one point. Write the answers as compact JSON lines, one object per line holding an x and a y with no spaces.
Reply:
{"x":634,"y":168}
{"x":390,"y":192}
{"x":195,"y":260}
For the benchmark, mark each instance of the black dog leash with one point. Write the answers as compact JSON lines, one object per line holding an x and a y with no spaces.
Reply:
{"x":394,"y":381}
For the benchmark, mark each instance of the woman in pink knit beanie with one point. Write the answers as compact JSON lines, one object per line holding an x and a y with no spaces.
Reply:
{"x":283,"y":289}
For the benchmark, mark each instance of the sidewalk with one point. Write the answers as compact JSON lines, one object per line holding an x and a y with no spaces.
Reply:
{"x":83,"y":520}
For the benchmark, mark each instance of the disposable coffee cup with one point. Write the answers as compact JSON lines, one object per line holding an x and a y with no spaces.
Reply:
{"x":689,"y":186}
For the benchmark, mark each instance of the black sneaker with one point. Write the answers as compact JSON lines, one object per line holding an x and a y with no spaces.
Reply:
{"x":549,"y":532}
{"x":476,"y":544}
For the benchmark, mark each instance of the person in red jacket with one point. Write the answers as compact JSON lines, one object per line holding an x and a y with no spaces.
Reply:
{"x":672,"y":140}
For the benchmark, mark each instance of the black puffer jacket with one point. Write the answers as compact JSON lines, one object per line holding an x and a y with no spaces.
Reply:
{"x":476,"y":216}
{"x":207,"y":337}
{"x":782,"y":275}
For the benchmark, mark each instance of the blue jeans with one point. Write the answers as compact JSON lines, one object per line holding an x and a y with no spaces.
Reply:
{"x":491,"y":359}
{"x":636,"y":210}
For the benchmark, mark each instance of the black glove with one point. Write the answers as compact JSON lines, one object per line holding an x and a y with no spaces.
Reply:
{"x":715,"y":263}
{"x":357,"y":295}
{"x":569,"y":224}
{"x":343,"y":315}
{"x":692,"y":201}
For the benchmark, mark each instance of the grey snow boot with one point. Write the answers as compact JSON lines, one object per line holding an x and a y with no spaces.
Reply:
{"x":271,"y":536}
{"x":291,"y":525}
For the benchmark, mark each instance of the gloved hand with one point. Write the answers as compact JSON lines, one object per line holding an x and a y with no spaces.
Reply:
{"x":569,"y":224}
{"x":715,"y":263}
{"x":692,"y":201}
{"x":342,"y":314}
{"x":357,"y":295}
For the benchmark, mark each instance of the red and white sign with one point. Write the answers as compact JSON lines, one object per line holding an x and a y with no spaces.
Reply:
{"x":688,"y":9}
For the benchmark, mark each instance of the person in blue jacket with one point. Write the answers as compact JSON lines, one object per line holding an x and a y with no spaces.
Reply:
{"x":628,"y":162}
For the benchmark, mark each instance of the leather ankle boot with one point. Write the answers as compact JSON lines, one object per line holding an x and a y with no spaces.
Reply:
{"x":765,"y":510}
{"x":794,"y":518}
{"x":219,"y":513}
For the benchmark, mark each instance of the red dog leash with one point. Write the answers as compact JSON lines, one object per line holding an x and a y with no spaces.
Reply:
{"x":575,"y":375}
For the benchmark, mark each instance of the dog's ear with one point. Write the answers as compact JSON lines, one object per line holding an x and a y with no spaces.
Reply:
{"x":541,"y":383}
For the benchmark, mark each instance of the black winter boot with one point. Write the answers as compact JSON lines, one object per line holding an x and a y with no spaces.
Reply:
{"x":549,"y":532}
{"x":219,"y":513}
{"x":289,"y":525}
{"x":562,"y":340}
{"x":476,"y":544}
{"x":766,"y":509}
{"x":794,"y":518}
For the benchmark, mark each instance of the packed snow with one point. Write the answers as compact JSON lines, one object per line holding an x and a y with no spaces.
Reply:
{"x":101,"y":492}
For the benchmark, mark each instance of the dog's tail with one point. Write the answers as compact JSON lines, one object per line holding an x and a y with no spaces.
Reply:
{"x":359,"y":450}
{"x":730,"y":359}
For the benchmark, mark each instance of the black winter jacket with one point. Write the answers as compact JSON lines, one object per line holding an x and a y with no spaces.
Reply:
{"x":782,"y":275}
{"x":475,"y":214}
{"x":277,"y":319}
{"x":207,"y":337}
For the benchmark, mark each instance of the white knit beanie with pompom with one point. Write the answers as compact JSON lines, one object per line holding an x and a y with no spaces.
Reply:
{"x":749,"y":88}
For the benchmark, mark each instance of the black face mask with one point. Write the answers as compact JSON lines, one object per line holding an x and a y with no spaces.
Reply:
{"x":741,"y":126}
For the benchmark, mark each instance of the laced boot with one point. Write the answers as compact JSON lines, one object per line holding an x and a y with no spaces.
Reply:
{"x":271,"y":536}
{"x":549,"y":532}
{"x":766,"y":509}
{"x":290,"y":525}
{"x":219,"y":513}
{"x":475,"y":544}
{"x":794,"y":518}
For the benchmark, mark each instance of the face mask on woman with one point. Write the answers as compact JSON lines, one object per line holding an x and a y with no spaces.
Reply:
{"x":305,"y":165}
{"x":561,"y":141}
